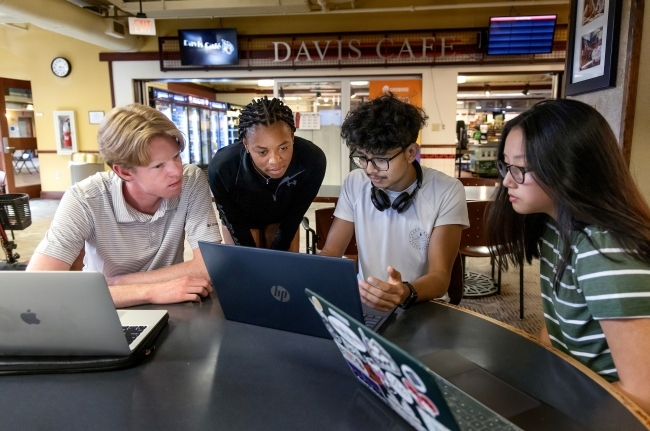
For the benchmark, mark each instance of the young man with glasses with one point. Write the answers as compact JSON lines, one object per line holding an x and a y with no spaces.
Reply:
{"x":407,"y":219}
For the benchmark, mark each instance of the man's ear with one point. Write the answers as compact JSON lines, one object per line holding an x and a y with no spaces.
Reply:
{"x":412,"y":151}
{"x":122,"y":172}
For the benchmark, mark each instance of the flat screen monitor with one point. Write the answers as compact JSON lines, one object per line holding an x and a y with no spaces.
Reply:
{"x":521,"y":34}
{"x":208,"y":47}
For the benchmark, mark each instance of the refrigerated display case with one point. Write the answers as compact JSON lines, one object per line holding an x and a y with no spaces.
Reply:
{"x":203,"y":123}
{"x":233,"y":122}
{"x":218,"y":126}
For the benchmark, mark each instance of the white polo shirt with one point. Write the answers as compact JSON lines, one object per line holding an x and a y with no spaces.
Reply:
{"x":121,"y":240}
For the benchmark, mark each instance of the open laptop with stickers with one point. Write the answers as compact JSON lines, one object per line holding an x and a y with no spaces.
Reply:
{"x":266,"y":287}
{"x":420,"y":396}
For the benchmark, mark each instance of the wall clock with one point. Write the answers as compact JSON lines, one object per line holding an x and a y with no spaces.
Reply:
{"x":61,"y":67}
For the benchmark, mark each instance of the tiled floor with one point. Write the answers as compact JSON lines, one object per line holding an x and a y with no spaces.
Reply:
{"x":29,"y":174}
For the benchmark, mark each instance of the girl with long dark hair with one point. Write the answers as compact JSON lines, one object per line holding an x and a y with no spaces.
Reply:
{"x":567,"y":198}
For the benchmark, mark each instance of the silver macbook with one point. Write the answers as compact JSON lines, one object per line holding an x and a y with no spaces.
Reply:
{"x":71,"y":313}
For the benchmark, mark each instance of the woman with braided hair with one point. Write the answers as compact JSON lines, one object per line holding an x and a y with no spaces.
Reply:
{"x":264,"y":183}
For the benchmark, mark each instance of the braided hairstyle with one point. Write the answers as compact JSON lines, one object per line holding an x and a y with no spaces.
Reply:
{"x":264,"y":112}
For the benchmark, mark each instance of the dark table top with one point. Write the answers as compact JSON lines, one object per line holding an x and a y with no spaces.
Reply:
{"x":209,"y":373}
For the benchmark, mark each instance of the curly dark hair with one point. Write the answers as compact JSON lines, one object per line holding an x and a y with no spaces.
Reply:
{"x":381,"y":124}
{"x":264,"y":112}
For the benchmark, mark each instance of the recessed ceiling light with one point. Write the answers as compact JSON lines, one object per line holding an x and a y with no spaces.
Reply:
{"x":359,"y":82}
{"x":265,"y":82}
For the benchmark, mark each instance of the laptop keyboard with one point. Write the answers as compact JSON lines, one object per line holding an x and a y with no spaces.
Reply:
{"x":469,"y":413}
{"x":371,"y":320}
{"x":132,"y":332}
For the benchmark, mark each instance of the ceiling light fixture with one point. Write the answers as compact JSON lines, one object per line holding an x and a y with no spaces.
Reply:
{"x":461,"y":79}
{"x":281,"y":93}
{"x":265,"y":82}
{"x":478,"y":107}
{"x":526,"y":89}
{"x":318,"y":94}
{"x":359,"y":82}
{"x":487,"y":90}
{"x":352,"y":93}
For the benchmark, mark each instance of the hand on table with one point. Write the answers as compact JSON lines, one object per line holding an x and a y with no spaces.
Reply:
{"x":180,"y":290}
{"x":384,"y":295}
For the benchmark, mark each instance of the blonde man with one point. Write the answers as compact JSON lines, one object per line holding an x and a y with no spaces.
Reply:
{"x":132,"y":221}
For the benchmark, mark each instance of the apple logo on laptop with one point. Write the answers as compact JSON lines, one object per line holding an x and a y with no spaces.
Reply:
{"x":30,"y":318}
{"x":280,"y":293}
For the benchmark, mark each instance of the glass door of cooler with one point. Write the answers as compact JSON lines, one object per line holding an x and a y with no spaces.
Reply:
{"x":206,"y":153}
{"x":165,"y":108}
{"x":194,"y":135}
{"x":179,"y":118}
{"x":233,"y":126}
{"x":217,"y":133}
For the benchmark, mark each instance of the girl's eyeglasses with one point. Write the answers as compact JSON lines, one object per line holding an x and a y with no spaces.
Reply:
{"x":517,"y":172}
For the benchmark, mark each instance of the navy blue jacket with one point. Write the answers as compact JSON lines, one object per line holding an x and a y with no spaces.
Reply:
{"x":245,"y":201}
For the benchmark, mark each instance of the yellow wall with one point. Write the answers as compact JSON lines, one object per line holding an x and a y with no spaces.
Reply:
{"x":640,"y":158}
{"x":27,"y":55}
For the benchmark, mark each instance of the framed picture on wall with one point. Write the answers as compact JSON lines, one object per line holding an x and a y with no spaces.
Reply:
{"x":65,"y":132}
{"x":592,"y":45}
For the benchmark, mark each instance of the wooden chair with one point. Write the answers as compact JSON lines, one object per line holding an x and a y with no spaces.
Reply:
{"x":316,"y":238}
{"x":473,"y":243}
{"x":490,"y":182}
{"x":3,"y":182}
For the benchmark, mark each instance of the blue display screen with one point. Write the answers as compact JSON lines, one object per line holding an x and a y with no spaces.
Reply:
{"x":210,"y":47}
{"x":521,"y":35}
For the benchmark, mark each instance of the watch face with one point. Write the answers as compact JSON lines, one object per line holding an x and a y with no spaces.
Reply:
{"x":60,"y":67}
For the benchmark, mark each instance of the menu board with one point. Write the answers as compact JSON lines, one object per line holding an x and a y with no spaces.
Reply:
{"x":307,"y":120}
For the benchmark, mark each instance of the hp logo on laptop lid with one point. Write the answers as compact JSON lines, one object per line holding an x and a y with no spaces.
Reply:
{"x":280,"y":293}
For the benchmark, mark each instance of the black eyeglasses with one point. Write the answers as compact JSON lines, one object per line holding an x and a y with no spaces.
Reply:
{"x":518,"y":173}
{"x":380,"y":163}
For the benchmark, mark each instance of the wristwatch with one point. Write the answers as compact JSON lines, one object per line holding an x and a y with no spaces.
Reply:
{"x":411,"y":299}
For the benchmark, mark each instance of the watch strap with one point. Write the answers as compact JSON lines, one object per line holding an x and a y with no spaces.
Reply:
{"x":411,"y":299}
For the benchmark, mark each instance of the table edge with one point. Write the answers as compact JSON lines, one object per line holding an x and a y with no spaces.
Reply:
{"x":630,"y":405}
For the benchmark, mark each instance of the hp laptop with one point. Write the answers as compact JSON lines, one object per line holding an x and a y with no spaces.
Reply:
{"x":67,"y":314}
{"x":420,"y":396}
{"x":266,"y":287}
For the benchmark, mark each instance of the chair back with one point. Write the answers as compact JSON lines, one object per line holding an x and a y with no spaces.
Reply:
{"x":475,"y":236}
{"x":490,"y":182}
{"x":3,"y":182}
{"x":324,"y":219}
{"x":457,"y":281}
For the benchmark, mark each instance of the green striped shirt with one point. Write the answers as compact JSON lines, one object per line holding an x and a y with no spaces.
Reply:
{"x":592,"y":288}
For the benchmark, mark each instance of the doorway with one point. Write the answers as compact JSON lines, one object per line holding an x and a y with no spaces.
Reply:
{"x":18,"y":149}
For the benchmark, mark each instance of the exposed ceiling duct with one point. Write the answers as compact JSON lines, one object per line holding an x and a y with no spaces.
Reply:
{"x":214,"y":8}
{"x":63,"y":17}
{"x":171,"y":9}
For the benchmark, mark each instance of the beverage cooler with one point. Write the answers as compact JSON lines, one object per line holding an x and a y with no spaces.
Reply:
{"x":203,"y":122}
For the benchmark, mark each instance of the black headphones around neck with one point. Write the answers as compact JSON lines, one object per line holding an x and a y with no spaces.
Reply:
{"x":381,"y":201}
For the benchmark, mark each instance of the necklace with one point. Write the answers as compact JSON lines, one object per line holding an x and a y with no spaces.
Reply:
{"x":260,"y":172}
